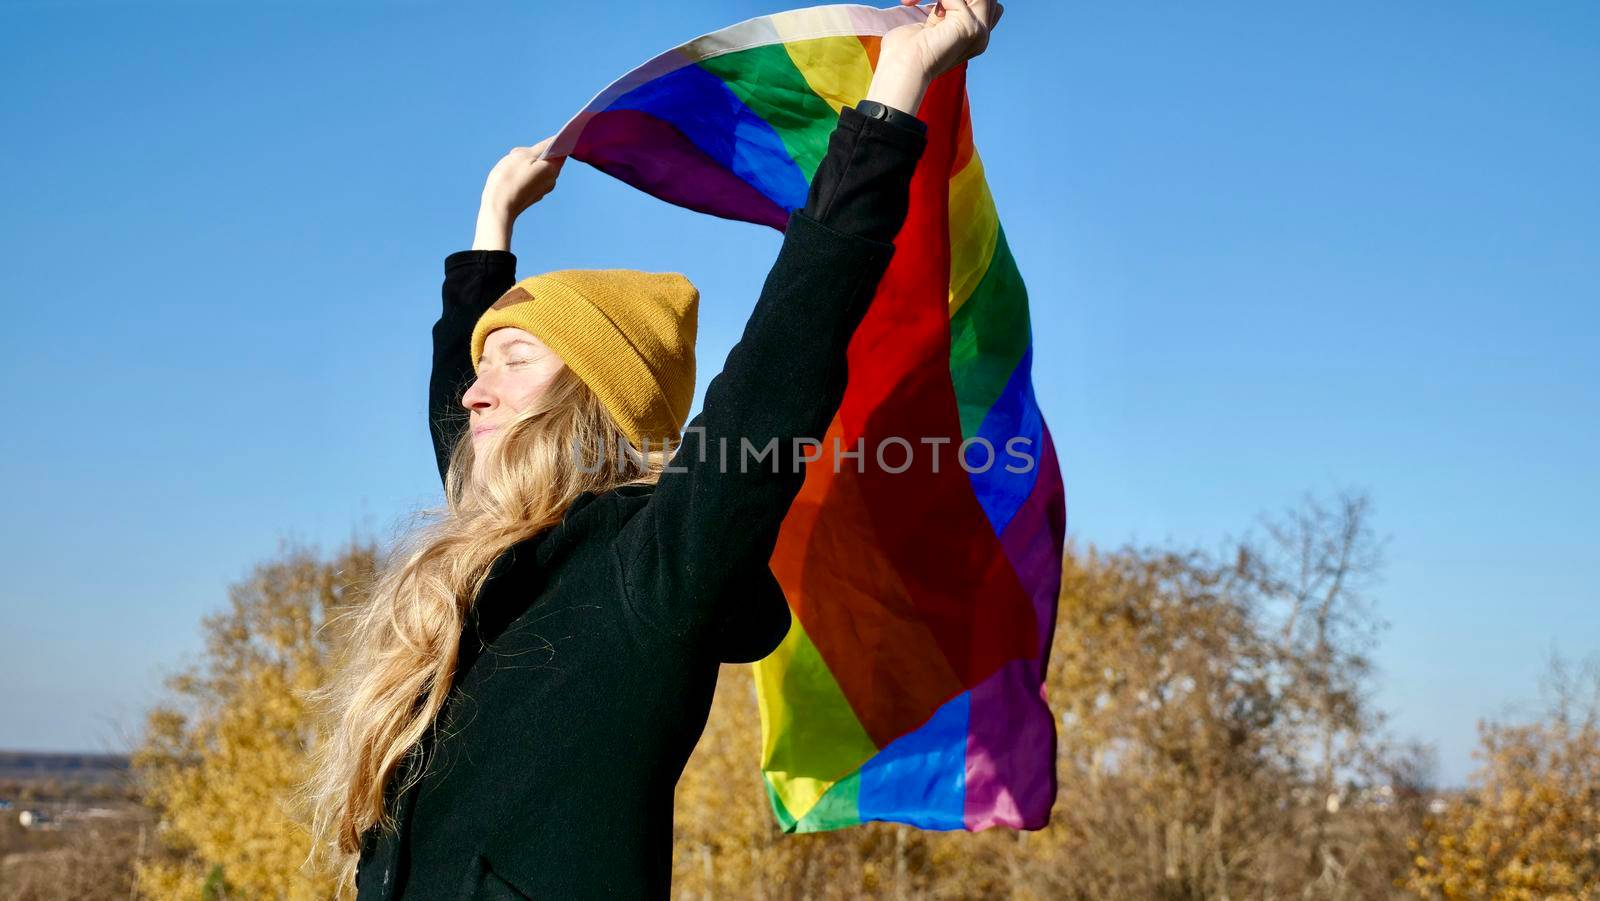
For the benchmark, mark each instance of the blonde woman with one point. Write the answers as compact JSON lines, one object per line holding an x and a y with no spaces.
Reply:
{"x":535,"y":668}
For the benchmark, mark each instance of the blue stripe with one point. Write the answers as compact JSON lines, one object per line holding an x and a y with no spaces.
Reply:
{"x":715,"y":120}
{"x":1015,"y":414}
{"x":921,"y":777}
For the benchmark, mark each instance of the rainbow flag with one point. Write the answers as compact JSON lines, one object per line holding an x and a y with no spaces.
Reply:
{"x":910,"y":687}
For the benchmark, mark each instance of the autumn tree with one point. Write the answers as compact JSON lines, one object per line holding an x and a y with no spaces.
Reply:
{"x":1216,"y":741}
{"x":222,"y":761}
{"x":1529,"y":826}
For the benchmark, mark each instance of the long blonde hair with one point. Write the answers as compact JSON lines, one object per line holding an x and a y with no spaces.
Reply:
{"x":400,"y":656}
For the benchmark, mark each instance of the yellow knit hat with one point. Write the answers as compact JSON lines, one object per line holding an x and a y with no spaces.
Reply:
{"x":629,"y":335}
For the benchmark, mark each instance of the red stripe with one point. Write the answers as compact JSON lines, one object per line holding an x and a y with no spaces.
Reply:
{"x":954,"y":611}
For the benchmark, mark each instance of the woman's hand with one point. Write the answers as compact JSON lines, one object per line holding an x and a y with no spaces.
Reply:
{"x":954,"y":32}
{"x":519,"y":180}
{"x":913,"y":55}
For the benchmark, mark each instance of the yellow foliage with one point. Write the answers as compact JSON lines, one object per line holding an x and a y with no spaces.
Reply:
{"x":1530,"y":828}
{"x":1189,"y":689}
{"x":223,"y":761}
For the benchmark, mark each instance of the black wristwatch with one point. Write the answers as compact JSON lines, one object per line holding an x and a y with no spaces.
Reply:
{"x":875,"y":110}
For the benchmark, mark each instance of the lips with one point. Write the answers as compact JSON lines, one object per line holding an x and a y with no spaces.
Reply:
{"x":480,"y":431}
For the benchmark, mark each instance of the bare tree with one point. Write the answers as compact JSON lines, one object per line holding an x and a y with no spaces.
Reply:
{"x":1313,"y":569}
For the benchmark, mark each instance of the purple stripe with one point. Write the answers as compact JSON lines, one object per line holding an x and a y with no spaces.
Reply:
{"x":651,"y":155}
{"x":1034,"y":538}
{"x":1011,"y":742}
{"x":1011,"y":751}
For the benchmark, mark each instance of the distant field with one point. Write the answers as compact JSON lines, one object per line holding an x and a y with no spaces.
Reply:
{"x":94,"y":827}
{"x":82,"y":769}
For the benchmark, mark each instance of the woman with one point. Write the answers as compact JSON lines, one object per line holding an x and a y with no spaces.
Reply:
{"x":533,"y":672}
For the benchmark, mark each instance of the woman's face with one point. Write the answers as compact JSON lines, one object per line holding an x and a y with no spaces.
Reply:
{"x":513,"y":374}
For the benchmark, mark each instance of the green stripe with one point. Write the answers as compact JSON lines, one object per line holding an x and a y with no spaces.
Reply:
{"x":785,"y":819}
{"x":766,"y":80}
{"x":818,"y":735}
{"x":839,"y":808}
{"x":988,"y":337}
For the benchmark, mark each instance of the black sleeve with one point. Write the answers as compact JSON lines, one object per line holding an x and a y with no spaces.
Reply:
{"x":473,"y":281}
{"x":862,"y":185}
{"x":689,"y":555}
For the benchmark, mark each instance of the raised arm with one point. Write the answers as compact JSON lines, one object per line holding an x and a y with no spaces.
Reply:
{"x":695,"y":558}
{"x":473,"y":280}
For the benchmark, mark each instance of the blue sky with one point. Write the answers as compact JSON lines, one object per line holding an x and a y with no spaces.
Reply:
{"x":1269,"y":251}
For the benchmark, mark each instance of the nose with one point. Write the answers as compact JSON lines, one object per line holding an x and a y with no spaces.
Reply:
{"x":478,"y":396}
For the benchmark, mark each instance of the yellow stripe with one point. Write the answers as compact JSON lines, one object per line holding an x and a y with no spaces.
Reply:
{"x":793,"y":680}
{"x":974,"y":228}
{"x":836,"y":68}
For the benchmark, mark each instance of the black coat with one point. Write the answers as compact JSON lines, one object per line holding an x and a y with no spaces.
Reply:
{"x":591,"y":654}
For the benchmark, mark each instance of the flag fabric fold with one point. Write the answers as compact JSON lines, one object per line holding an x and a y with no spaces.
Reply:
{"x":910,"y":686}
